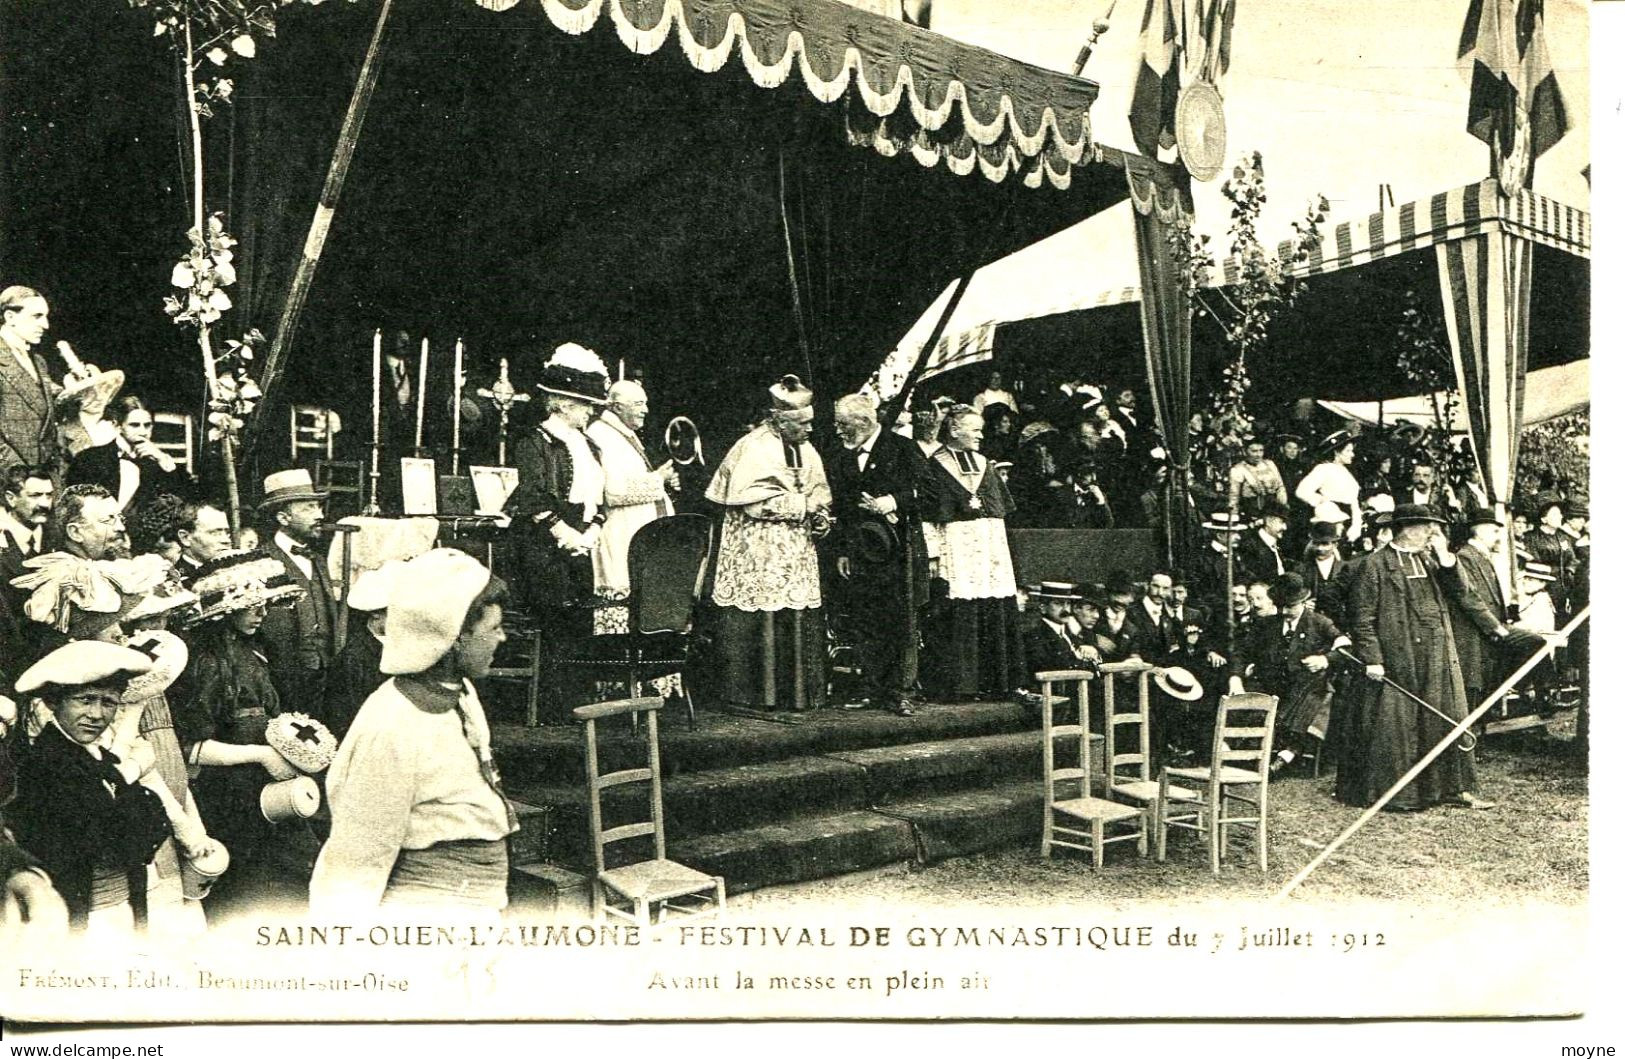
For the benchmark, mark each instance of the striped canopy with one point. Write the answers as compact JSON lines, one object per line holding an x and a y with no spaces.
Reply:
{"x":1483,"y":243}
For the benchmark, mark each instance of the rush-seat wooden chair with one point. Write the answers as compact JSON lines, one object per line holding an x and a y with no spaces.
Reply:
{"x":1238,"y":775}
{"x":1128,"y":753}
{"x":1062,"y":815}
{"x":643,"y":892}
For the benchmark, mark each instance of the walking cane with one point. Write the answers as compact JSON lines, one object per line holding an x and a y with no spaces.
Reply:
{"x":1468,"y":741}
{"x":1427,"y":759}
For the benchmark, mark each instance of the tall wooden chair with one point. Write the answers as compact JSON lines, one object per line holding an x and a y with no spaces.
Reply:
{"x":1128,"y":737}
{"x":630,"y":891}
{"x":1238,"y":775}
{"x":172,"y":432}
{"x":666,"y":562}
{"x":1063,"y":815}
{"x":309,"y":432}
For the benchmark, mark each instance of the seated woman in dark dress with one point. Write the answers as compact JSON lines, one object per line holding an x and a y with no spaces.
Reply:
{"x":223,"y":701}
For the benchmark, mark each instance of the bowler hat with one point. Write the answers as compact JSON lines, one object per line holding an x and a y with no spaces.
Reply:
{"x":1483,"y":516}
{"x":1289,"y":589}
{"x":1323,"y":532}
{"x":874,"y":540}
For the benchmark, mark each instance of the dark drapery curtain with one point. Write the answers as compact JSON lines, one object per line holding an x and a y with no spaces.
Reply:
{"x":1165,"y":317}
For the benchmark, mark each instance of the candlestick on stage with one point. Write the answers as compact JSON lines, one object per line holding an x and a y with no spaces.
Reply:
{"x":457,"y":408}
{"x":423,"y":387}
{"x":372,"y":507}
{"x":503,"y":395}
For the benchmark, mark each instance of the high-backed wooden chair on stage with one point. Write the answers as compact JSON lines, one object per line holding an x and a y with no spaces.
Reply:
{"x":1127,"y":723}
{"x":172,"y":432}
{"x":1242,"y":738}
{"x":666,"y":563}
{"x":631,"y":891}
{"x":1062,"y":814}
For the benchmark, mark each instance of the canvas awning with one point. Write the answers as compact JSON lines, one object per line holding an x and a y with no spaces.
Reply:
{"x":1452,"y":215}
{"x":1548,"y":394}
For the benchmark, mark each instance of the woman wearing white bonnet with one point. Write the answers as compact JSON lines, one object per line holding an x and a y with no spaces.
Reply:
{"x":419,"y":817}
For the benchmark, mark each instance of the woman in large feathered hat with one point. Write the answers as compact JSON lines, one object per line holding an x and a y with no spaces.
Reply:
{"x":558,"y":507}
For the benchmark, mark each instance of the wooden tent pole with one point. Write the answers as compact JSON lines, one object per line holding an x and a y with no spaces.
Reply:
{"x":321,"y":222}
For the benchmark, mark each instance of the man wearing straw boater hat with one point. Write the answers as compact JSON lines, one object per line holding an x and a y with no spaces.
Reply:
{"x":1399,"y":619}
{"x":419,"y":816}
{"x":300,"y":641}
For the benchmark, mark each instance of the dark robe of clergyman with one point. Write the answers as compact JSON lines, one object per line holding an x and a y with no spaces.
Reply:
{"x":1399,"y":618}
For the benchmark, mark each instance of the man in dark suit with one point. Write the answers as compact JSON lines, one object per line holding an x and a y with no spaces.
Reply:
{"x":1159,"y":636}
{"x":28,"y":495}
{"x":1475,"y":626}
{"x":1055,"y":640}
{"x":28,"y":396}
{"x":1259,"y":554}
{"x":1118,"y":634}
{"x":881,"y":548}
{"x":301,"y":640}
{"x":1324,"y":571}
{"x":203,"y":531}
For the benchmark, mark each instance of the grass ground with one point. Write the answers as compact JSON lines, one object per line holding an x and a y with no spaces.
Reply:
{"x":1531,"y":847}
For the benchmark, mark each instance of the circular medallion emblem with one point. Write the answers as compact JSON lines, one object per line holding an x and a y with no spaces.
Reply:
{"x":1199,"y":130}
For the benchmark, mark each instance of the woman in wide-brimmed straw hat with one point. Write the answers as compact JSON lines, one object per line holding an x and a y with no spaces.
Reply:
{"x":419,"y":816}
{"x":224,"y":699}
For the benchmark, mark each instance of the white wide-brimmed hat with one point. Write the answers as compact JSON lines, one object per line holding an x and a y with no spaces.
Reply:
{"x":371,"y":589}
{"x":82,"y":662}
{"x":1179,"y":683}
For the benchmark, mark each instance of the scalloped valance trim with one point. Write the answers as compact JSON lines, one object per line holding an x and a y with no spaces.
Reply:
{"x":998,"y":142}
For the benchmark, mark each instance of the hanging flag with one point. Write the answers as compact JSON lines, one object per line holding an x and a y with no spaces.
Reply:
{"x":1156,"y":89}
{"x":1515,"y":104}
{"x":1182,"y":42}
